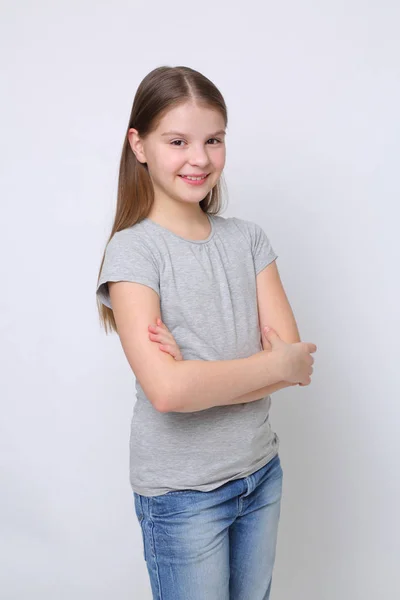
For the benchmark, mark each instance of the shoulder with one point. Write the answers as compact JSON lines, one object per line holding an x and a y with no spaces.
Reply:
{"x":241,"y":229}
{"x":257,"y":240}
{"x":128,"y":256}
{"x":250,"y":230}
{"x":128,"y":239}
{"x":233,"y":223}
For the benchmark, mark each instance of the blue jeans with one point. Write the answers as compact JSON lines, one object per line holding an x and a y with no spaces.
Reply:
{"x":217,"y":545}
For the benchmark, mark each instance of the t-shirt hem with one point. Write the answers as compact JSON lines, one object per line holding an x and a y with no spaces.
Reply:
{"x":149,"y":492}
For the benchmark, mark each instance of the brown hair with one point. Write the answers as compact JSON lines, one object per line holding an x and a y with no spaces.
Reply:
{"x":162,"y":89}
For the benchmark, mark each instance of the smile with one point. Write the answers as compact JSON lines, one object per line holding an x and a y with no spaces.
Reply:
{"x":193,"y":178}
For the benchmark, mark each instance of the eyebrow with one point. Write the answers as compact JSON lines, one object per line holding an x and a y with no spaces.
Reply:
{"x":185,"y":135}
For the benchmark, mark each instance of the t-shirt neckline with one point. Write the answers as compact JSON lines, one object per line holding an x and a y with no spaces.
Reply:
{"x":207,"y":239}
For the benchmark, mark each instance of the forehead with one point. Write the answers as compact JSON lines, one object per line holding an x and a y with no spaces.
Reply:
{"x":190,"y":119}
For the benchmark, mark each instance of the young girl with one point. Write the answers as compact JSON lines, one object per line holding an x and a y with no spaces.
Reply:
{"x":177,"y":277}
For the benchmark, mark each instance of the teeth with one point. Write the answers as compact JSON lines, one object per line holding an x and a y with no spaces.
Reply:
{"x":194,"y":178}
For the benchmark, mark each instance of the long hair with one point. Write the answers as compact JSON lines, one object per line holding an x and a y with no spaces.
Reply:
{"x":162,"y":89}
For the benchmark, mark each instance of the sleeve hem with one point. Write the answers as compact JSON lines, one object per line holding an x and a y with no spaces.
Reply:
{"x":265,"y":263}
{"x":103,"y":293}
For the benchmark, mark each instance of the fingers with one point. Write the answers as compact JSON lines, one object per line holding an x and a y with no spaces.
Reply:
{"x":168,"y":349}
{"x":161,"y":337}
{"x":159,"y":334}
{"x":161,"y":324}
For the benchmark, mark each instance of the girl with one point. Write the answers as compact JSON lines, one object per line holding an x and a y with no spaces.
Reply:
{"x":204,"y":464}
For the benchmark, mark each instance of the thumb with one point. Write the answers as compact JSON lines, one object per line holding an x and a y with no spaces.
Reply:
{"x":270,"y":334}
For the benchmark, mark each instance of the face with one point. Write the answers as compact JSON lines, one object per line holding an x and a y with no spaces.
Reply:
{"x":196,"y":146}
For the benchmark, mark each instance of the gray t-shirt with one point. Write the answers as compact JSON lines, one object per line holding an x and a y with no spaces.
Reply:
{"x":208,"y":301}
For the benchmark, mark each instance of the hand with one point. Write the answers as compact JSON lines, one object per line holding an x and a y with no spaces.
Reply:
{"x":293,"y":360}
{"x":161,"y":334}
{"x":268,"y":348}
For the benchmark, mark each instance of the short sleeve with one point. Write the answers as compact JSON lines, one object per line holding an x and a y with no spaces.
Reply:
{"x":263,"y":252}
{"x":127,"y":258}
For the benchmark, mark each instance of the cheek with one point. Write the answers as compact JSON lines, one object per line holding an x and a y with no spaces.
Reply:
{"x":219,"y":159}
{"x":170,"y":163}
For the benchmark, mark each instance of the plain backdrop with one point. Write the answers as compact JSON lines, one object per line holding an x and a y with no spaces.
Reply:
{"x":313,"y":95}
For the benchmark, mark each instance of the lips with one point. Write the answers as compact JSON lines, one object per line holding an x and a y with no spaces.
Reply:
{"x":203,"y":176}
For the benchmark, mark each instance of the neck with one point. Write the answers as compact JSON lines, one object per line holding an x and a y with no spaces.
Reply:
{"x":184,"y":215}
{"x":186,"y":220}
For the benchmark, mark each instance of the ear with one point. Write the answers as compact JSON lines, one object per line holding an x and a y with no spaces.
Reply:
{"x":137,"y":145}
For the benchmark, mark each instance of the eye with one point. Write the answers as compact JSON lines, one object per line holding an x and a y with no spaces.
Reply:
{"x":175,"y":142}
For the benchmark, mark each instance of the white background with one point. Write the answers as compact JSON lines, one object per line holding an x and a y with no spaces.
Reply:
{"x":313,"y":95}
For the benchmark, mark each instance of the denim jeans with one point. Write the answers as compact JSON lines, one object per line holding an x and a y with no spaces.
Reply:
{"x":217,"y":545}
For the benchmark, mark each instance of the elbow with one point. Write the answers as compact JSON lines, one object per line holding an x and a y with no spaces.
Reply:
{"x":168,"y":390}
{"x":162,"y":405}
{"x":166,"y":401}
{"x":158,"y":398}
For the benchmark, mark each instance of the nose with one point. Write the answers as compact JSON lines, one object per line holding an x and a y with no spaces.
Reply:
{"x":198,"y":156}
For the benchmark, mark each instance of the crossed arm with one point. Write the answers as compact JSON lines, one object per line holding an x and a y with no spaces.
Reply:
{"x":274,"y":310}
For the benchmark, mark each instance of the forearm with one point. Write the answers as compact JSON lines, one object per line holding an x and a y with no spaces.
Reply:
{"x":262,"y":392}
{"x":196,"y":385}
